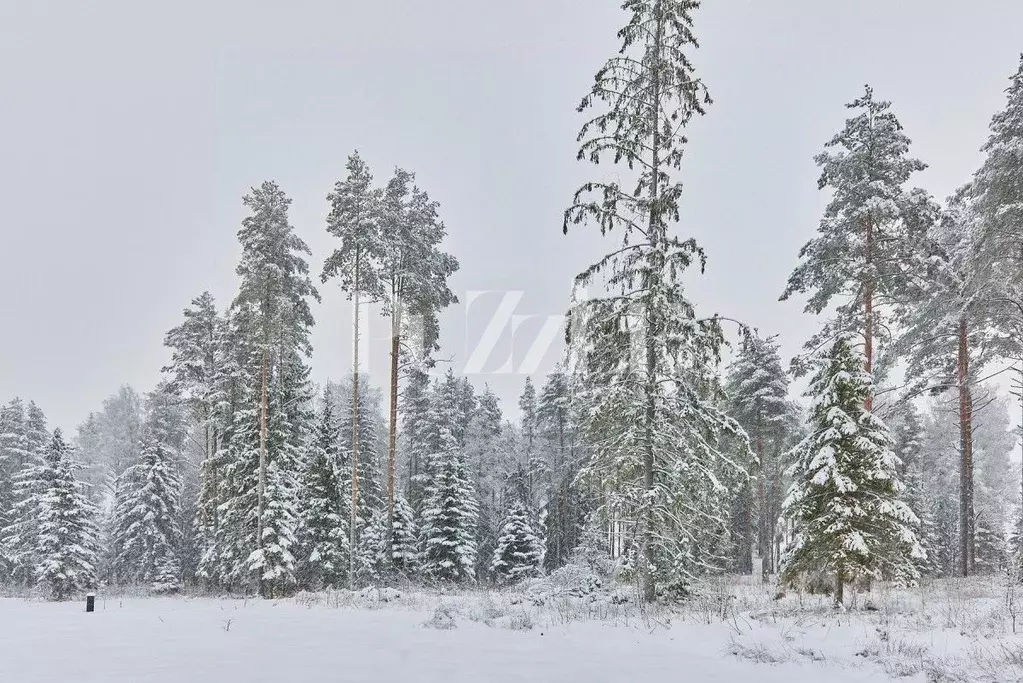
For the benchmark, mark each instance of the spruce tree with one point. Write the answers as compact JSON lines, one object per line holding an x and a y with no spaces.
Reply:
{"x":415,"y":411}
{"x":197,"y":373}
{"x":270,"y":321}
{"x":520,"y":551}
{"x":644,"y":358}
{"x":845,"y":501}
{"x":67,"y":545}
{"x":557,"y":424}
{"x":372,"y":562}
{"x":532,"y":468}
{"x":18,"y":538}
{"x":757,"y":389}
{"x":908,"y":444}
{"x":324,"y":509}
{"x":450,"y":512}
{"x":14,"y":456}
{"x":404,"y":538}
{"x":147,"y":533}
{"x":485,"y":460}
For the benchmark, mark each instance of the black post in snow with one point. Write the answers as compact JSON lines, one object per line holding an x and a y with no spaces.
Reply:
{"x":90,"y":602}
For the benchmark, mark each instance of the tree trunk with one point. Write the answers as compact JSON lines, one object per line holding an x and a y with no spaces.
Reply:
{"x":263,"y":428}
{"x":763,"y":544}
{"x":868,"y":310}
{"x":965,"y":454}
{"x":654,"y":236}
{"x":355,"y":429}
{"x":392,"y":437}
{"x":839,"y":590}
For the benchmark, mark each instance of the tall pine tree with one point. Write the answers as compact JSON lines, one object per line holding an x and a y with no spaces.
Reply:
{"x":864,"y":254}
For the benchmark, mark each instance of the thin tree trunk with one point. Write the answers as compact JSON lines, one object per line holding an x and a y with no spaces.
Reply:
{"x":654,"y":236}
{"x":392,"y":437}
{"x":762,"y":541}
{"x":965,"y":454}
{"x":868,"y":309}
{"x":355,"y":430}
{"x":839,"y":590}
{"x":263,"y":428}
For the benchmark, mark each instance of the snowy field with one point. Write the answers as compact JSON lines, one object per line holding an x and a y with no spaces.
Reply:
{"x":732,"y":633}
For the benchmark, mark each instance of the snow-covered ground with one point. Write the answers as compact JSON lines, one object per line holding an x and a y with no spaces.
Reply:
{"x":732,"y":633}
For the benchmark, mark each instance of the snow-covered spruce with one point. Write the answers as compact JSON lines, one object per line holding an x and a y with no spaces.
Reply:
{"x":520,"y":551}
{"x":757,"y":388}
{"x":404,"y":537}
{"x":449,"y":517}
{"x":269,"y":324}
{"x":324,"y":506}
{"x":643,"y":359}
{"x":146,"y":533}
{"x":67,"y":546}
{"x":845,"y":499}
{"x":26,"y":438}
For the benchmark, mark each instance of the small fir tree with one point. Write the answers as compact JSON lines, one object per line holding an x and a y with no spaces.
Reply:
{"x":449,"y":518}
{"x":845,"y":499}
{"x":520,"y":551}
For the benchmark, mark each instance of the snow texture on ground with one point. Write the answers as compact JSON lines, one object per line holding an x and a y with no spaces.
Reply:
{"x":199,"y":640}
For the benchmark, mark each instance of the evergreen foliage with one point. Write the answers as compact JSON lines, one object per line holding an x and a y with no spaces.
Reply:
{"x":520,"y":551}
{"x":846,"y":498}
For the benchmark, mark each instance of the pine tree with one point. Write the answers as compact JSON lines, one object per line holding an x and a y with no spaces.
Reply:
{"x":67,"y":549}
{"x":355,"y":217}
{"x":864,"y":253}
{"x":997,"y":190}
{"x":146,"y":531}
{"x":520,"y":551}
{"x":414,"y":274}
{"x":324,"y":509}
{"x":644,"y":357}
{"x":450,"y":512}
{"x":845,"y":500}
{"x":955,"y":326}
{"x":757,"y":390}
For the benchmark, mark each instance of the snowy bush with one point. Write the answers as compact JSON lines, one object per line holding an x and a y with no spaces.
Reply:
{"x":443,"y":618}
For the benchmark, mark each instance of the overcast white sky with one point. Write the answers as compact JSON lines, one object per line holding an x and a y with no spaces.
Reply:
{"x":129,"y":133}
